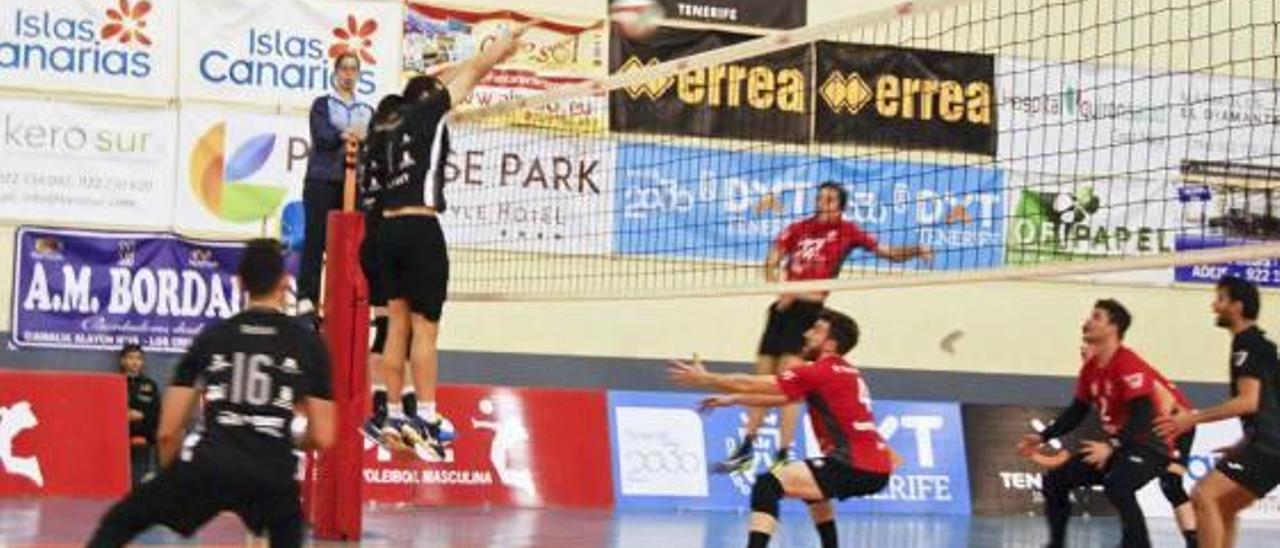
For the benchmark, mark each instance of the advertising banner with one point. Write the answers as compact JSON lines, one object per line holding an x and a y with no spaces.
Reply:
{"x":238,"y":173}
{"x":1223,"y":205}
{"x":906,"y":98}
{"x":281,"y":52}
{"x":726,"y":205}
{"x":86,"y":164}
{"x":514,"y":447}
{"x":1085,"y":119}
{"x":97,"y":47}
{"x":516,"y":192}
{"x":63,"y":435}
{"x":1058,"y":219}
{"x":1006,"y":484}
{"x":557,"y":52}
{"x":754,"y":13}
{"x":764,"y":98}
{"x":663,"y":449}
{"x":100,"y":290}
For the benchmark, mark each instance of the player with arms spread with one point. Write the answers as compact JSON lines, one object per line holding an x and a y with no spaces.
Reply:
{"x":255,"y":369}
{"x":856,"y":461}
{"x":813,"y":249}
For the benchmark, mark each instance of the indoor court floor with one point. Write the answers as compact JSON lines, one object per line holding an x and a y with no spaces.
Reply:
{"x":61,"y":522}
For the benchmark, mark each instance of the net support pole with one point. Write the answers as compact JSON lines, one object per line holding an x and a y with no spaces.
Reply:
{"x":337,"y":497}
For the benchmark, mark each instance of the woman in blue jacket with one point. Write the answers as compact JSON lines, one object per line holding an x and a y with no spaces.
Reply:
{"x":336,"y":118}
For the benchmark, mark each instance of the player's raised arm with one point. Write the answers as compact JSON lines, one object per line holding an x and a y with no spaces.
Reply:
{"x":464,"y":78}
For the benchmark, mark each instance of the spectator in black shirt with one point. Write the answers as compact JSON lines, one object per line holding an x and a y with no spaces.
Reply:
{"x":144,"y":411}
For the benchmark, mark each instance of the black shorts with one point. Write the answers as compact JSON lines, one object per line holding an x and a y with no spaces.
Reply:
{"x":371,"y":266}
{"x":188,"y":494}
{"x":837,"y":480}
{"x":1252,"y":468}
{"x":784,"y":331}
{"x":415,"y":263}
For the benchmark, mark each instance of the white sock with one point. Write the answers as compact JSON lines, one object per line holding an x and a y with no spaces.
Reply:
{"x":427,"y":410}
{"x":395,"y":411}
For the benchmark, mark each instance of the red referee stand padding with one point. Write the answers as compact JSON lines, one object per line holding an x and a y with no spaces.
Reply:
{"x":334,"y":490}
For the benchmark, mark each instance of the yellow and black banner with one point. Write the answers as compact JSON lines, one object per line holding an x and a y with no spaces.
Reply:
{"x":905,"y":98}
{"x":770,"y":14}
{"x":762,"y":98}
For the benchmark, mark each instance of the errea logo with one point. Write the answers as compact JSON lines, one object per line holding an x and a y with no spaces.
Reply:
{"x":910,"y":98}
{"x":849,"y":94}
{"x":652,"y":89}
{"x":746,"y":84}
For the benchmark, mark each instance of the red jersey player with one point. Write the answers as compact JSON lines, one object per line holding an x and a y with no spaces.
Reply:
{"x":813,"y":249}
{"x":1169,"y":401}
{"x":1120,"y":386}
{"x":855,"y":462}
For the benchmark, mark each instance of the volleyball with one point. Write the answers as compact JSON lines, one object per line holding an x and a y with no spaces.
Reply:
{"x":636,"y":19}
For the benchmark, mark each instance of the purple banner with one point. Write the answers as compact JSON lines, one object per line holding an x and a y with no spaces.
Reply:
{"x":1264,"y":272}
{"x":99,"y":290}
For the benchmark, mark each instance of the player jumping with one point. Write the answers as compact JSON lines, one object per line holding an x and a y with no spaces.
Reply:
{"x":813,"y":249}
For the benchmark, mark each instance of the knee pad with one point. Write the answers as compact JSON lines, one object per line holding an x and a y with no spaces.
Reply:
{"x":766,"y":494}
{"x":379,"y":334}
{"x":1171,"y":485}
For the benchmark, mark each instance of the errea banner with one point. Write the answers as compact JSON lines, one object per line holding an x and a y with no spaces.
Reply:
{"x":905,"y":98}
{"x":281,"y":52}
{"x":102,"y":47}
{"x":760,"y":98}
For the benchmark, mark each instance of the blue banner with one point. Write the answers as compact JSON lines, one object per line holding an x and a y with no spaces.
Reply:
{"x":1264,"y":272}
{"x":730,"y":205}
{"x":100,"y":290}
{"x":663,"y":450}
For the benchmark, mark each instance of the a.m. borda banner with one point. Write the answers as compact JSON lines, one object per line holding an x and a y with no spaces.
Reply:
{"x":99,"y":290}
{"x":281,"y":52}
{"x":100,"y":47}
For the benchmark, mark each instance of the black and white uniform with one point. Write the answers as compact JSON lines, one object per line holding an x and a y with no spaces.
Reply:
{"x":1255,"y":464}
{"x":254,"y":368}
{"x":411,"y":248}
{"x":370,"y":201}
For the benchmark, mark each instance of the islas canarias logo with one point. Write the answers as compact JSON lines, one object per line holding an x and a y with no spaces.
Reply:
{"x":291,"y":57}
{"x":59,"y":40}
{"x":226,"y":186}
